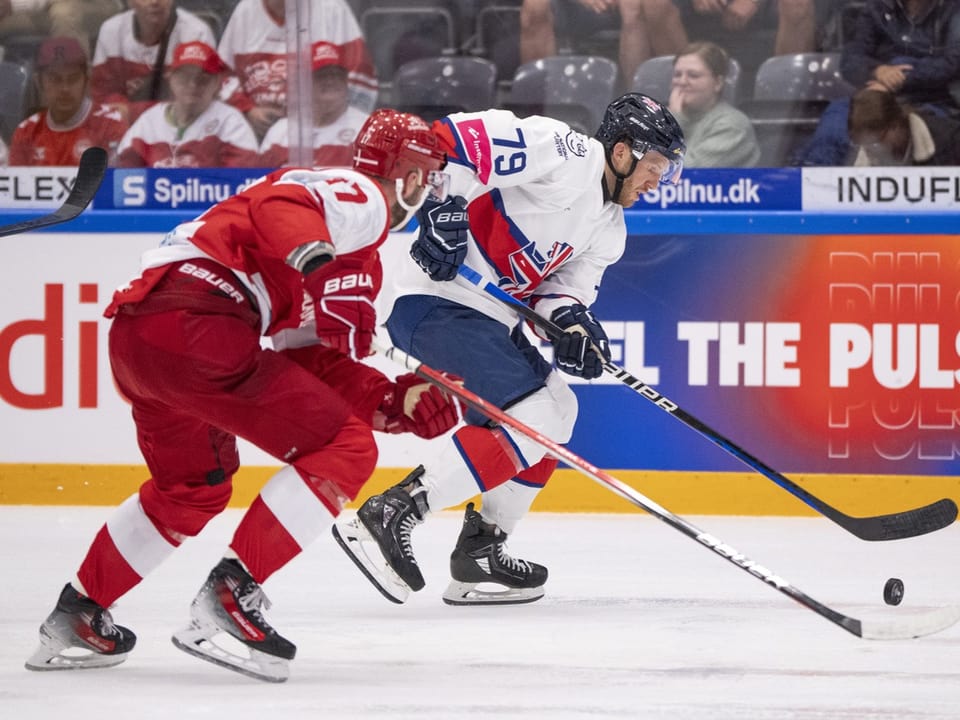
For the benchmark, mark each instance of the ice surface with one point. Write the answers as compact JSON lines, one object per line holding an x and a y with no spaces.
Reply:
{"x":638,"y":622}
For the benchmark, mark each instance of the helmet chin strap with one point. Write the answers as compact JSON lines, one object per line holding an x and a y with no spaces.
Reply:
{"x":614,"y":195}
{"x":411,"y":209}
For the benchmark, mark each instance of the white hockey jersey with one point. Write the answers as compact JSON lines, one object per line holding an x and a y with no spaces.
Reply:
{"x":539,"y":226}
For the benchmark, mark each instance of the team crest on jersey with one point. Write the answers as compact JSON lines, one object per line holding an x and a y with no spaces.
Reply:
{"x":576,"y":143}
{"x":528,"y":267}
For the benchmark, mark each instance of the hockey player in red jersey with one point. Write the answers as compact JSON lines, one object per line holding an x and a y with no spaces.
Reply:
{"x":544,"y":219}
{"x":294,"y":257}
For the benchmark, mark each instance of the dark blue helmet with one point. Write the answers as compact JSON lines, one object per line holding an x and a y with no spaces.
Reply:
{"x":644,"y":124}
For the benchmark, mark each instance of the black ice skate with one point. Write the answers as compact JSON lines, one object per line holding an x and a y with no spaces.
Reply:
{"x":481,"y":558}
{"x":79,"y":624}
{"x":378,"y":539}
{"x":232,"y":602}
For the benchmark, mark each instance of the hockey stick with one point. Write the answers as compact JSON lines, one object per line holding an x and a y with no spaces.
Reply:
{"x":926,"y":623}
{"x":895,"y":526}
{"x":90,"y":172}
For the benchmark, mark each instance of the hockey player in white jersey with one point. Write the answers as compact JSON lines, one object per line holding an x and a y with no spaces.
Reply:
{"x":538,"y":208}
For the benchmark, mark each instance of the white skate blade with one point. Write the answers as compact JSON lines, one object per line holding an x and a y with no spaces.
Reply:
{"x":468,"y":593}
{"x":197,"y":639}
{"x":355,"y":540}
{"x":54,"y":654}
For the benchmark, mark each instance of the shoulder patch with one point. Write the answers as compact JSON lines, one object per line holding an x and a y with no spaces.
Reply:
{"x":576,"y":143}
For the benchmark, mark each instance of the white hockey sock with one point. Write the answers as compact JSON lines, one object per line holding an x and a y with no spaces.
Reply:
{"x":506,"y":504}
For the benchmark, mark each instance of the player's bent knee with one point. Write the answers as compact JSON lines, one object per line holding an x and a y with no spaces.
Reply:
{"x":551,"y":410}
{"x":184,"y":510}
{"x":347,"y":461}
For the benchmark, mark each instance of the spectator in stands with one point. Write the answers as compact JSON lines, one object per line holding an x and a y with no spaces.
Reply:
{"x":887,"y":131}
{"x":650,"y":25}
{"x":907,"y":47}
{"x":134,"y":51}
{"x":56,"y":18}
{"x":254,"y":46}
{"x":717,"y":134}
{"x":542,"y":20}
{"x":194,"y":129}
{"x":70,"y":121}
{"x":336,"y":122}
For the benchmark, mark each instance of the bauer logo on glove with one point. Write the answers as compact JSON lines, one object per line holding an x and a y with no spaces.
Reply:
{"x":343,"y":293}
{"x":441,"y":245}
{"x":350,"y":281}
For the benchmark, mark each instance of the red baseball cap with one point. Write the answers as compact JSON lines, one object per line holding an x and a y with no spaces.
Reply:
{"x":199,"y":54}
{"x":324,"y":54}
{"x":62,"y":50}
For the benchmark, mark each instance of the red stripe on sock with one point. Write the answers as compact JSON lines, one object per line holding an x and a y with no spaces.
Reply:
{"x":104,"y":574}
{"x":262,"y":543}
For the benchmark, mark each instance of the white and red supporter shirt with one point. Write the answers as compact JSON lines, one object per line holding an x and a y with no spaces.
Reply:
{"x":253,"y":233}
{"x":539,"y":225}
{"x":332,"y":144}
{"x":123,"y":66}
{"x":254,"y":45}
{"x":39,"y":141}
{"x":219,"y":137}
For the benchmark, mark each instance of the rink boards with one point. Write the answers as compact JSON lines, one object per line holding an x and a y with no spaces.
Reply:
{"x":825,"y":343}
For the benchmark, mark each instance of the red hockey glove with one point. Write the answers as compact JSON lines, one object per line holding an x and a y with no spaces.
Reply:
{"x":343,"y":294}
{"x":414,"y":405}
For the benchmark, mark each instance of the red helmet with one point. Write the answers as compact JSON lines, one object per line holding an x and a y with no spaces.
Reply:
{"x":391,"y":143}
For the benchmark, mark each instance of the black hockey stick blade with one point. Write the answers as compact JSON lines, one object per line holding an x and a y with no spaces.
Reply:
{"x":895,"y":526}
{"x":927,"y":622}
{"x":90,"y":172}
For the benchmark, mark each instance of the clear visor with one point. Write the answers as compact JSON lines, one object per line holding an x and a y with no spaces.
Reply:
{"x":671,"y":175}
{"x":439,"y":184}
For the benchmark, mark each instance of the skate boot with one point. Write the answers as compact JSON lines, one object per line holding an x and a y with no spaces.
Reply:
{"x":378,"y":538}
{"x":80,"y":623}
{"x":481,"y":558}
{"x":229,"y":607}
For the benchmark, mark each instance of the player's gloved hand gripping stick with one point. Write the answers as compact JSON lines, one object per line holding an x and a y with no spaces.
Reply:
{"x":908,"y":523}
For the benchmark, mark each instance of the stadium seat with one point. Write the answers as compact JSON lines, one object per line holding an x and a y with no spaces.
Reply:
{"x":14,"y":88}
{"x":434,"y":87}
{"x":398,"y":32}
{"x":654,"y":77}
{"x":21,"y":48}
{"x":790,"y":93}
{"x":573,"y":88}
{"x":497,"y":36}
{"x":803,"y":77}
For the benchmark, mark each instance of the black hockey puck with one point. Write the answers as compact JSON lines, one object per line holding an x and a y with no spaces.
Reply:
{"x":893,"y":591}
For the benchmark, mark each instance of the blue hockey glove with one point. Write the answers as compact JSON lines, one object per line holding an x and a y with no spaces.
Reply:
{"x":441,"y":246}
{"x":583,"y":348}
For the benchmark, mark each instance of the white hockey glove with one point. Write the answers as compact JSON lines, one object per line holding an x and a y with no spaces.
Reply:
{"x":583,"y":348}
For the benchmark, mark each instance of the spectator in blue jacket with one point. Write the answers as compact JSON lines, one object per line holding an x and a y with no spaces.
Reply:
{"x":907,"y":47}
